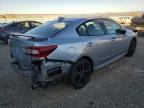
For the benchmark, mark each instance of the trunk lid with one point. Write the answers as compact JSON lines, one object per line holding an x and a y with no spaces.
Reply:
{"x":17,"y":44}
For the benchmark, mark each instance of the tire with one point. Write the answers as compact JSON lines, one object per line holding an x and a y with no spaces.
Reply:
{"x":132,"y":48}
{"x":80,"y":73}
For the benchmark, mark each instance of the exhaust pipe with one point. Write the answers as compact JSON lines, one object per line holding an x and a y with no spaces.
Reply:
{"x":35,"y":85}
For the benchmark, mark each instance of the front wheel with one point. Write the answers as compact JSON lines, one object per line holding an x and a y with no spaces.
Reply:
{"x":80,"y":73}
{"x":132,"y":48}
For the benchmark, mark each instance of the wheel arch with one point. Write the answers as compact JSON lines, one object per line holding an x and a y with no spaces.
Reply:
{"x":88,"y":58}
{"x":135,"y":39}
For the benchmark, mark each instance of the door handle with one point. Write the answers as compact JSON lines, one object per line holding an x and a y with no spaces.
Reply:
{"x":90,"y":44}
{"x":113,"y":38}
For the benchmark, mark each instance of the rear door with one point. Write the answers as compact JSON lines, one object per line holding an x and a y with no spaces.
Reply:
{"x":97,"y":44}
{"x":118,"y":41}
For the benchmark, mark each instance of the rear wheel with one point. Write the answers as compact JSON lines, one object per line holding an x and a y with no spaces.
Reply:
{"x":80,"y":73}
{"x":132,"y":48}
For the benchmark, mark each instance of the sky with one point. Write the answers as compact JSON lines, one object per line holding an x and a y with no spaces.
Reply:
{"x":69,"y":6}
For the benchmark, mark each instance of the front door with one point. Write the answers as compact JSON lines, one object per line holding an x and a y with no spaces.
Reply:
{"x":118,"y":41}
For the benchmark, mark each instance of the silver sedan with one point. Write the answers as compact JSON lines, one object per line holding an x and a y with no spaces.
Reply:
{"x":73,"y":47}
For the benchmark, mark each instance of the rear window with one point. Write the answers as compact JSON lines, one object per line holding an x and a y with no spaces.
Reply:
{"x":14,"y":25}
{"x":48,"y":29}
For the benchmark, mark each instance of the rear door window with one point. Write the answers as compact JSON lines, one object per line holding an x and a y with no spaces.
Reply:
{"x":90,"y":28}
{"x":94,"y":28}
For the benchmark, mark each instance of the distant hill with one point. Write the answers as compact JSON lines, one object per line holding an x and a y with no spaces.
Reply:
{"x":22,"y":17}
{"x":29,"y":15}
{"x":46,"y":17}
{"x":108,"y":14}
{"x":123,"y":14}
{"x":56,"y":15}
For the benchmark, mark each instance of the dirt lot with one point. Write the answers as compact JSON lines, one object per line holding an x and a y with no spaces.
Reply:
{"x":119,"y":85}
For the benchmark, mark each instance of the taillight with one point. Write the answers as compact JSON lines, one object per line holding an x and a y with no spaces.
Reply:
{"x":39,"y":51}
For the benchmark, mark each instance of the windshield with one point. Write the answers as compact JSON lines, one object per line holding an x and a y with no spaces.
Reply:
{"x":48,"y":29}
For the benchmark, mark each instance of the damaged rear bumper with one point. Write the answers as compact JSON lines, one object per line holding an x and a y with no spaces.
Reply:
{"x":28,"y":74}
{"x":49,"y":70}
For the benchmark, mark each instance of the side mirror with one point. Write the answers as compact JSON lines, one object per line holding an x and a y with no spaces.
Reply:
{"x":120,"y":31}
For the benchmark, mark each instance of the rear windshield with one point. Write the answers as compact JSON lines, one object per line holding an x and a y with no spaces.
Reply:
{"x":48,"y":29}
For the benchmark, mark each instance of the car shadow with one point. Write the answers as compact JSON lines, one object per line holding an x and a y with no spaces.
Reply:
{"x":55,"y":92}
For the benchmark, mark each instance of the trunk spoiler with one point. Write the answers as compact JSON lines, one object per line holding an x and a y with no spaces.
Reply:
{"x":30,"y":37}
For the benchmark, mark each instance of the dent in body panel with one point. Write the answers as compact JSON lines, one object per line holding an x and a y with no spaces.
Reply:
{"x":42,"y":74}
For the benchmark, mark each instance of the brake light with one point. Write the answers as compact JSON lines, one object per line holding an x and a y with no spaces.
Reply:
{"x":39,"y":51}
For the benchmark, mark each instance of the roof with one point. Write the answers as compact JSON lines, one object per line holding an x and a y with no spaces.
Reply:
{"x":82,"y":18}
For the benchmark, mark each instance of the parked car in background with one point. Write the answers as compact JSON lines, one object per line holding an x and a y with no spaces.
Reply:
{"x":16,"y":27}
{"x":137,"y":25}
{"x":73,"y":47}
{"x":125,"y":20}
{"x":138,"y":21}
{"x":2,"y":24}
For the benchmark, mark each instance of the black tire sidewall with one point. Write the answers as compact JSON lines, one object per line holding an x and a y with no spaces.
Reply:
{"x":71,"y":77}
{"x":130,"y":53}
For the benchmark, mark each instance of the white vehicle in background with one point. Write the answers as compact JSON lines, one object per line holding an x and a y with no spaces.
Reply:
{"x":126,"y":20}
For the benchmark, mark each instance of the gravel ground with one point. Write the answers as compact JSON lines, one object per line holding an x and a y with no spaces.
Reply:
{"x":119,"y":85}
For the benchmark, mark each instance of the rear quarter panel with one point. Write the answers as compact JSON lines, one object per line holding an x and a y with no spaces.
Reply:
{"x":70,"y":46}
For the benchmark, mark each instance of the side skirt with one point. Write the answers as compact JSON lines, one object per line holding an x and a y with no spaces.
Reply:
{"x":110,"y":61}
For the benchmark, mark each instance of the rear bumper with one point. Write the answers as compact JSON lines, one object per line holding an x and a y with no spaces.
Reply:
{"x":49,"y":74}
{"x":24,"y":73}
